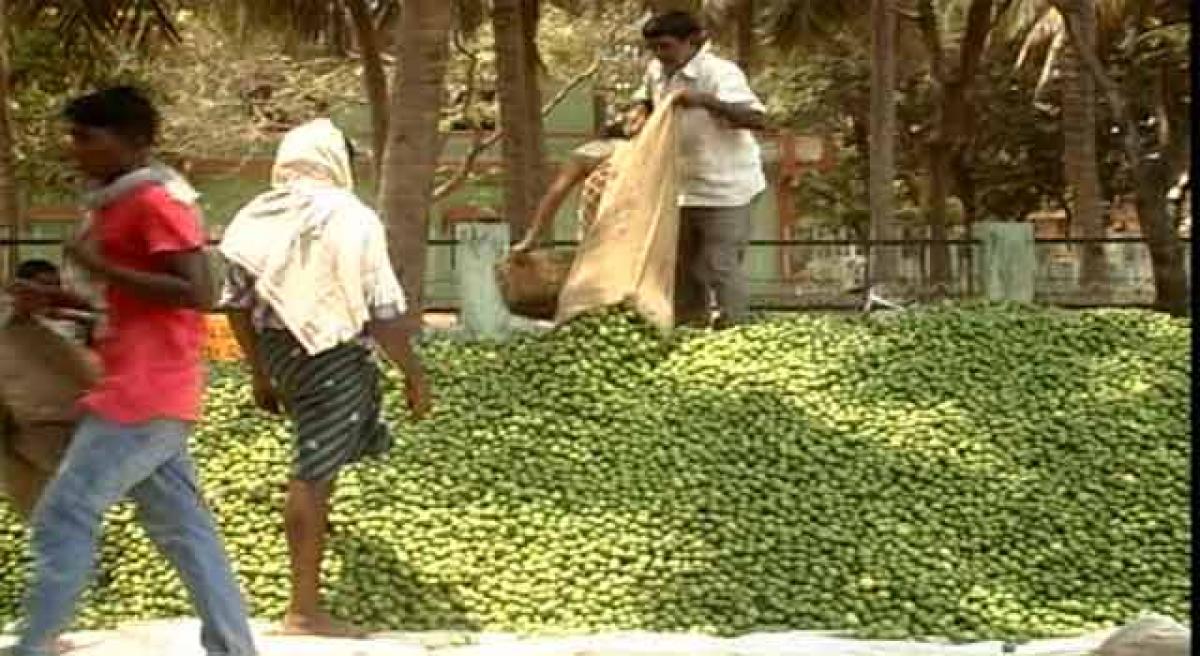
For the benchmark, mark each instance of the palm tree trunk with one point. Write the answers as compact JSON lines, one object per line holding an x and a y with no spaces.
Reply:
{"x":374,"y":78}
{"x":1079,"y":152}
{"x":412,"y":150}
{"x":1152,"y":178}
{"x":940,"y":158}
{"x":514,"y":23}
{"x":1158,"y":228}
{"x":10,"y":211}
{"x":881,"y":261}
{"x":747,"y":41}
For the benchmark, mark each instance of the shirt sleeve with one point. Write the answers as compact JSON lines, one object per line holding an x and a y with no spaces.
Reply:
{"x":644,"y":92}
{"x":384,"y":295}
{"x":733,"y":88}
{"x":169,"y":226}
{"x":237,"y":289}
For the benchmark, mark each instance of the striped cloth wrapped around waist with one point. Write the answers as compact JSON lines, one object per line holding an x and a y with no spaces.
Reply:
{"x":335,"y":400}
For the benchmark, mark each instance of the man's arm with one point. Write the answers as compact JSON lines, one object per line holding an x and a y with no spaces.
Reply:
{"x":391,"y":326}
{"x":574,"y":171}
{"x":394,"y":338}
{"x":739,"y":115}
{"x":744,"y":116}
{"x":184,"y":283}
{"x":247,"y":339}
{"x":172,"y":235}
{"x":731,"y":98}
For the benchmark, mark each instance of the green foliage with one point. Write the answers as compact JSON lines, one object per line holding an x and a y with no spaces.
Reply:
{"x":217,"y":99}
{"x":1015,"y":153}
{"x":837,"y":197}
{"x":91,"y":31}
{"x":966,"y":471}
{"x":1013,"y":164}
{"x":820,"y":91}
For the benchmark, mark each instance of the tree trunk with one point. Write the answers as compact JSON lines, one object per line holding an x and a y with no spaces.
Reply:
{"x":951,"y":123}
{"x":374,"y":78}
{"x":412,"y":151}
{"x":1152,"y":178}
{"x":882,"y":260}
{"x":10,"y":210}
{"x":514,"y":23}
{"x":940,"y":158}
{"x":1079,"y":152}
{"x":746,"y":40}
{"x":1158,"y":229}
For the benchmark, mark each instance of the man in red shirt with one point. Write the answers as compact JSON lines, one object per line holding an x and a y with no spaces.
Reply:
{"x":147,"y":248}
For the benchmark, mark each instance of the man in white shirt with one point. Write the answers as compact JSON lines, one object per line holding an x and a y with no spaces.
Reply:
{"x":722,"y":170}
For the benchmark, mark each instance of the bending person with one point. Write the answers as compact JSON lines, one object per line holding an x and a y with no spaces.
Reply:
{"x":589,"y":165}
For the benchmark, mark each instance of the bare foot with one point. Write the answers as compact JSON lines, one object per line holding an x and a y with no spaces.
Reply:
{"x":60,"y":646}
{"x":321,"y":625}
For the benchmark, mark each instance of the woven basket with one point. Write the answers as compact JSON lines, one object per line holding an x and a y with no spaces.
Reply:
{"x":530,"y":282}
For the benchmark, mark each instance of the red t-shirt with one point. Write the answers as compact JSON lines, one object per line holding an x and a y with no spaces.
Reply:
{"x":150,"y":352}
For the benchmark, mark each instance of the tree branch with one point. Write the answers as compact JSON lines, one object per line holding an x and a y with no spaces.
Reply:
{"x":480,"y":144}
{"x":374,"y":78}
{"x":928,"y":23}
{"x":979,"y":22}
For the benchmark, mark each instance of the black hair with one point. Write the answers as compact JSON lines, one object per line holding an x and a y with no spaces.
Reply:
{"x":613,"y":130}
{"x":123,"y":110}
{"x":30,"y":269}
{"x":675,"y":24}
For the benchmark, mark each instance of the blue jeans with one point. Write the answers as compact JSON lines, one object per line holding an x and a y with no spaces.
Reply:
{"x":150,"y":463}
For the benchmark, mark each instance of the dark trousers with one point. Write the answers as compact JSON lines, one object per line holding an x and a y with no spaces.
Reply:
{"x":712,"y":246}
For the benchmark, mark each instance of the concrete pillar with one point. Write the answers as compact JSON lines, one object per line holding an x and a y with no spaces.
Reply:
{"x":1007,"y":261}
{"x":481,"y":244}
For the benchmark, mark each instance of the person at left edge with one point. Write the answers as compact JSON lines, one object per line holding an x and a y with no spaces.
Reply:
{"x":147,"y":249}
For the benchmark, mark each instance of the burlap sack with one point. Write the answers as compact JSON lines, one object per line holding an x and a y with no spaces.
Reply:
{"x":42,"y":376}
{"x":531,"y":282}
{"x":628,"y":255}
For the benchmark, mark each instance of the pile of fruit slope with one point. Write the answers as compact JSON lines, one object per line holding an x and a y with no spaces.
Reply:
{"x":969,"y":472}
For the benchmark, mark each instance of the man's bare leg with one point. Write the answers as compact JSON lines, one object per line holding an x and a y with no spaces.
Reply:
{"x":306,"y":522}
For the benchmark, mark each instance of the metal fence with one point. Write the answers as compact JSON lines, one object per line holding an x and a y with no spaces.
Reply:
{"x":1129,"y":280}
{"x":830,"y":273}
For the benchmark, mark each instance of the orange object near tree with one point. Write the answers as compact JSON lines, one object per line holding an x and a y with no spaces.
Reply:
{"x":220,"y":344}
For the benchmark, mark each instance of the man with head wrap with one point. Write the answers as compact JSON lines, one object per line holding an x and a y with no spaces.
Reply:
{"x":310,"y":289}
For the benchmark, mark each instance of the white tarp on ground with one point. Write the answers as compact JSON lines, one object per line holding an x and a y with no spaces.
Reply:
{"x":182,"y":638}
{"x":769,"y":644}
{"x":1148,"y":636}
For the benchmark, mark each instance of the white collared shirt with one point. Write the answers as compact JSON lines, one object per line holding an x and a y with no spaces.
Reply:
{"x":722,"y":165}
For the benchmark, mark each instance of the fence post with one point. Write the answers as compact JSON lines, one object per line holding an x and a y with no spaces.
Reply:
{"x":1007,"y":260}
{"x":481,"y":244}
